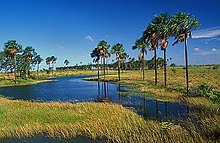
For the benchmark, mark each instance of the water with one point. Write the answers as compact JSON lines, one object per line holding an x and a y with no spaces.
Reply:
{"x":44,"y":139}
{"x":75,"y":89}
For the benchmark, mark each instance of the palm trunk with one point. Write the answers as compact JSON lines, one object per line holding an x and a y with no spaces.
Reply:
{"x":37,"y":68}
{"x":52,"y":69}
{"x":104,"y":66}
{"x":165,"y":68}
{"x":11,"y":65}
{"x":119,"y":78}
{"x":15,"y":68}
{"x":187,"y":74}
{"x":155,"y":65}
{"x":28,"y":70}
{"x":49,"y":70}
{"x":98,"y":70}
{"x":143,"y":65}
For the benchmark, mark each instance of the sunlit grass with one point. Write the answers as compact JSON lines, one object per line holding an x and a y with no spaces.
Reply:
{"x":94,"y":120}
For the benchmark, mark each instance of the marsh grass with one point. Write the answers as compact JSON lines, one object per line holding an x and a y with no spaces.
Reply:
{"x":110,"y":122}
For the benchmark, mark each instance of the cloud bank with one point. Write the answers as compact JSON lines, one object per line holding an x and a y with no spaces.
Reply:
{"x":207,"y":33}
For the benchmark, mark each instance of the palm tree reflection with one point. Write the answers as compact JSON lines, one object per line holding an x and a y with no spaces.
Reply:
{"x":103,"y":92}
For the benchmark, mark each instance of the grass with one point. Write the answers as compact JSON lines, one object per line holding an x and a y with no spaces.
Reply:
{"x":110,"y":122}
{"x":176,"y":86}
{"x":114,"y":122}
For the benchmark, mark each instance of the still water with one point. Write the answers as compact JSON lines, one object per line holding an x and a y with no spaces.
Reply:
{"x":75,"y":89}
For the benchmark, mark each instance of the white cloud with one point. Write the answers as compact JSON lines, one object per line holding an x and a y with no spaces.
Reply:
{"x":207,"y":33}
{"x":214,"y":50}
{"x":89,"y":38}
{"x":199,"y":52}
{"x":196,"y":49}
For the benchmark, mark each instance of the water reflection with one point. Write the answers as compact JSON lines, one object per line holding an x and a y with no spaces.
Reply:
{"x":148,"y":108}
{"x":103,"y":92}
{"x":74,"y":89}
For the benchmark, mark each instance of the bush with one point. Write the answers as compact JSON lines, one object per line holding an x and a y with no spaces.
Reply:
{"x":205,"y":90}
{"x":178,"y":87}
{"x":215,"y":67}
{"x":35,"y":77}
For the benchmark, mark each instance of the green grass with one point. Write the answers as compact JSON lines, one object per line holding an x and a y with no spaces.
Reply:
{"x":94,"y":120}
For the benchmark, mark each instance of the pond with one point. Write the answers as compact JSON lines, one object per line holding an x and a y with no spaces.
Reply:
{"x":75,"y":89}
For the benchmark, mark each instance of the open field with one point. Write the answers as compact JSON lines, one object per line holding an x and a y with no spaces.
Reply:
{"x":94,"y":120}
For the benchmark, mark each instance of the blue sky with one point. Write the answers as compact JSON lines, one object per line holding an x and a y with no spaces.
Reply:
{"x":71,"y":29}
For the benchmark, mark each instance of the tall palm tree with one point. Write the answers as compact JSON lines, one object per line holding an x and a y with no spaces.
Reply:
{"x":28,"y":54}
{"x":119,"y":50}
{"x":103,"y":47}
{"x":96,"y":55}
{"x":181,"y":25}
{"x":11,"y":49}
{"x":151,"y":37}
{"x":38,"y":60}
{"x":53,"y":61}
{"x":48,"y":62}
{"x":140,"y":44}
{"x":163,"y":21}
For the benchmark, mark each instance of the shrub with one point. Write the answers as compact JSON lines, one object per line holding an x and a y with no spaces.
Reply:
{"x":205,"y":90}
{"x":215,"y":67}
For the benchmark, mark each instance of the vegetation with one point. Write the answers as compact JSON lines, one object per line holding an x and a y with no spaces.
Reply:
{"x":182,"y":26}
{"x":141,"y":45}
{"x":11,"y":49}
{"x":94,"y":120}
{"x":119,"y":50}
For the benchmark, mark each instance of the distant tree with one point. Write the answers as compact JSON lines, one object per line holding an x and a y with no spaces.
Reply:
{"x":28,"y":54}
{"x":3,"y":61}
{"x":172,"y":65}
{"x":119,"y":50}
{"x":66,"y":62}
{"x":53,"y":61}
{"x":38,"y":60}
{"x":11,"y":49}
{"x":48,"y":62}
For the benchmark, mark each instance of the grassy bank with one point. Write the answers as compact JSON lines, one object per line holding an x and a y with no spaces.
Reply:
{"x":94,"y":120}
{"x":176,"y":86}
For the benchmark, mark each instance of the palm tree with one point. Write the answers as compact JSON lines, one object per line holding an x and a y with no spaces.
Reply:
{"x":151,"y":37}
{"x":163,"y":21}
{"x":48,"y":62}
{"x":119,"y":50}
{"x":28,"y":54}
{"x":53,"y":61}
{"x":11,"y":49}
{"x":66,"y":62}
{"x":38,"y":60}
{"x":181,"y":25}
{"x":141,"y":45}
{"x":103,"y":47}
{"x":96,"y":55}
